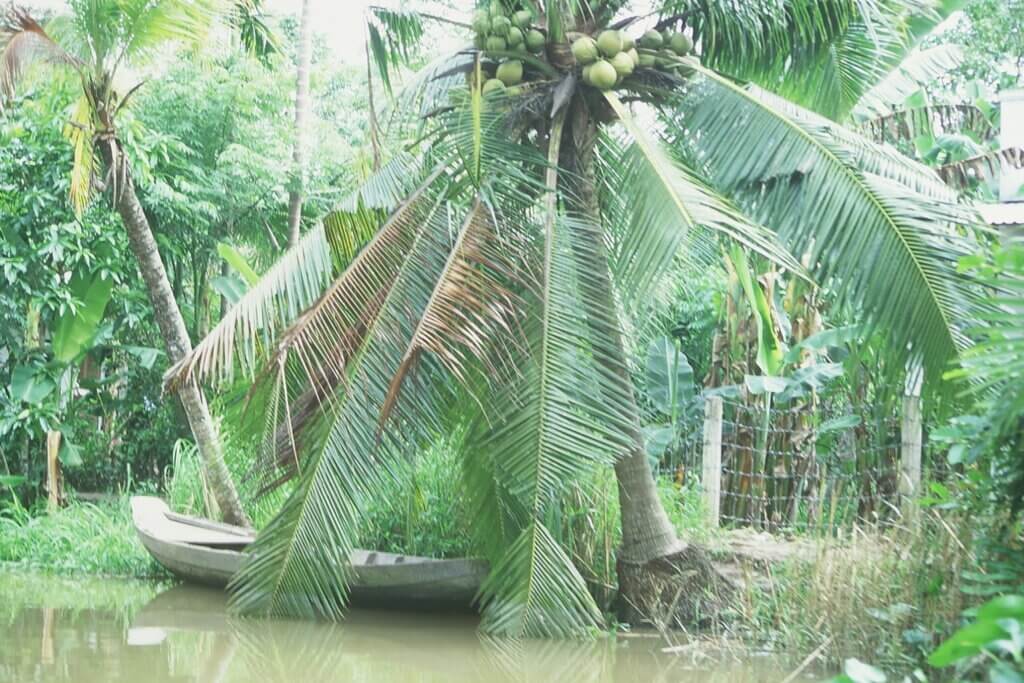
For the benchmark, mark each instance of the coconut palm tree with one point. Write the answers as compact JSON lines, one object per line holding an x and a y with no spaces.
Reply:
{"x":97,"y":42}
{"x":559,"y":170}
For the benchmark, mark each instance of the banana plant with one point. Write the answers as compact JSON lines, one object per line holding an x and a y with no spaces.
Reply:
{"x":672,"y":394}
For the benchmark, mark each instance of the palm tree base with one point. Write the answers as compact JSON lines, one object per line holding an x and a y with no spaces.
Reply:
{"x":681,"y":589}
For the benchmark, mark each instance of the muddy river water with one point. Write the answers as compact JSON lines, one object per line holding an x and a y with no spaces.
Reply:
{"x":90,"y":631}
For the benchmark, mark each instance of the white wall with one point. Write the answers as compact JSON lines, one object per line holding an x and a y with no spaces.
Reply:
{"x":1011,"y":180}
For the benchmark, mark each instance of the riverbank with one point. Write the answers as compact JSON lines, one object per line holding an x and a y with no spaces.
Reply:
{"x":82,"y":539}
{"x":881,"y":595}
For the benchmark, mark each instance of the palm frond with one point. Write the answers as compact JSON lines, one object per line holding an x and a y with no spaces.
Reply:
{"x":537,"y":590}
{"x":666,"y":201}
{"x":514,"y":166}
{"x":856,"y":212}
{"x":913,"y":73}
{"x":769,"y":41}
{"x":386,"y":188}
{"x":142,"y":27}
{"x":534,"y":438}
{"x":821,"y":54}
{"x":389,"y":305}
{"x":427,"y":91}
{"x":393,"y":38}
{"x":249,"y":19}
{"x":834,"y":80}
{"x":470,"y":309}
{"x":299,"y":564}
{"x":348,"y":231}
{"x":349,"y":306}
{"x":24,"y":42}
{"x":79,"y":132}
{"x":291,"y":285}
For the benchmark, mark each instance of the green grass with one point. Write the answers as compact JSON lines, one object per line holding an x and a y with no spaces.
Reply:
{"x":83,"y":538}
{"x":423,"y":513}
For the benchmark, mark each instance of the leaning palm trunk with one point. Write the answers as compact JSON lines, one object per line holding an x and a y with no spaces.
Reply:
{"x":662,"y":579}
{"x":176,"y":339}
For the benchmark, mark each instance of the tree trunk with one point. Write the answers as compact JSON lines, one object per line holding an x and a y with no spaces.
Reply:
{"x":175,"y":336}
{"x":301,"y":114}
{"x":225,"y":305}
{"x":662,"y":579}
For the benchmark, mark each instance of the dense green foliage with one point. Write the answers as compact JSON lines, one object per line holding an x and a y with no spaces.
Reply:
{"x":207,"y":176}
{"x":464,"y":342}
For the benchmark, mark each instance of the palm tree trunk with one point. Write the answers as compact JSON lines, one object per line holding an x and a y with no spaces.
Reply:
{"x":646,"y":530}
{"x":301,"y":114}
{"x":175,"y":335}
{"x":653,"y":562}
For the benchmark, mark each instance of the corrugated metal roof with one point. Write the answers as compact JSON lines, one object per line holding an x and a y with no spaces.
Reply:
{"x":1007,"y":213}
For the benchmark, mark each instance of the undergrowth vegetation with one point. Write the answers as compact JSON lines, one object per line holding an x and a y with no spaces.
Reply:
{"x":880,"y":595}
{"x":83,"y":538}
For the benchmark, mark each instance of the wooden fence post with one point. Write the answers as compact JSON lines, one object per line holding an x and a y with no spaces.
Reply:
{"x":910,"y":457}
{"x":711,"y":481}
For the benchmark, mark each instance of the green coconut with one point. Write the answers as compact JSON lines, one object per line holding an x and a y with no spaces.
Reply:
{"x":680,"y":43}
{"x":634,"y":55}
{"x":496,"y":44}
{"x":651,"y":40}
{"x":623,"y":64}
{"x":584,"y":50}
{"x":510,"y":72}
{"x":497,"y":9}
{"x":535,"y":41}
{"x":522,"y":19}
{"x":586,"y":73}
{"x":515,"y":37}
{"x":493,"y":85}
{"x":666,"y":59}
{"x":481,"y":21}
{"x":627,"y":42}
{"x":500,"y":26}
{"x":647,"y":60}
{"x":609,"y":43}
{"x":603,"y":75}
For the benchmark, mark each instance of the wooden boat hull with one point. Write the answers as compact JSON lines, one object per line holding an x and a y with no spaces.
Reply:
{"x":378,"y":578}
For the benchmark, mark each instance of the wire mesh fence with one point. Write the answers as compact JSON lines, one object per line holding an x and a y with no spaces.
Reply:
{"x":809,"y":469}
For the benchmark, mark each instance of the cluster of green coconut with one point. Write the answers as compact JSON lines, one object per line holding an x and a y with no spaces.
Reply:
{"x":498,"y":33}
{"x":606,"y":60}
{"x":613,"y":55}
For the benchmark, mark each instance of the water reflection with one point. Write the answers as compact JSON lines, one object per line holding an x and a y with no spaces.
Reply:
{"x":184,"y":634}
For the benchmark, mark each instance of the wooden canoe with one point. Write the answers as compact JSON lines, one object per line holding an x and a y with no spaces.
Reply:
{"x":205,"y":552}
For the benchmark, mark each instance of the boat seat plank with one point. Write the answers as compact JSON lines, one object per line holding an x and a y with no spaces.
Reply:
{"x":159,"y":521}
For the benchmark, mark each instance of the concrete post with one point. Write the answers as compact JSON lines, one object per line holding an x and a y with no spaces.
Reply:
{"x":910,"y":457}
{"x":711,"y":481}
